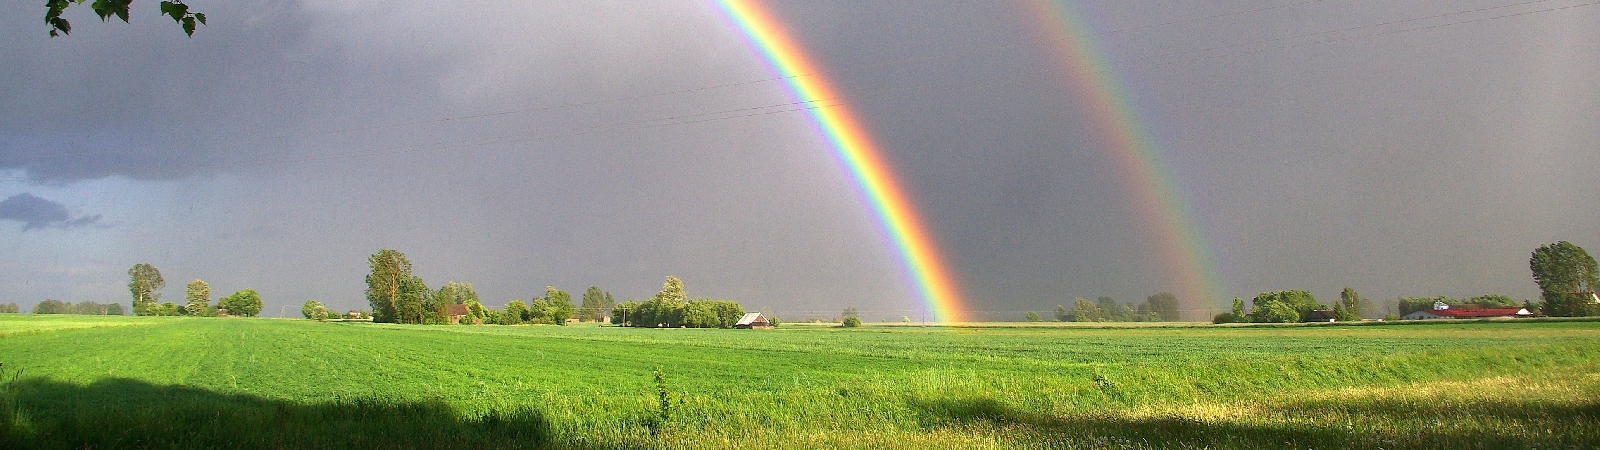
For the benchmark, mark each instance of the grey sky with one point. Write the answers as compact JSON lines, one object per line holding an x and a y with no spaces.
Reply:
{"x":287,"y":141}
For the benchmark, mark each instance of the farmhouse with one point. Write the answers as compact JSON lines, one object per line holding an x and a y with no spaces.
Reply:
{"x":753,"y":321}
{"x":455,"y":312}
{"x":1319,"y":315}
{"x":1443,"y":311}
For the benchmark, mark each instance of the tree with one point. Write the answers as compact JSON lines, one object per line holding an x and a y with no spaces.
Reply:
{"x":1061,"y":313}
{"x":611,"y":303}
{"x":515,"y":313}
{"x":1282,"y":306}
{"x":700,"y":313}
{"x":106,"y":8}
{"x":850,"y":311}
{"x":456,"y":293}
{"x":561,"y":304}
{"x":672,"y":290}
{"x":245,"y":303}
{"x":1110,"y":311}
{"x":113,"y":309}
{"x":1566,"y":276}
{"x":144,"y":281}
{"x":11,"y":308}
{"x":49,"y":306}
{"x":593,"y":304}
{"x":1348,"y":308}
{"x":314,"y":310}
{"x":1083,"y":311}
{"x":414,"y":302}
{"x":621,"y":314}
{"x":197,"y":298}
{"x":1238,"y":309}
{"x":1164,"y":305}
{"x":390,"y":269}
{"x":665,"y":309}
{"x":1033,"y":316}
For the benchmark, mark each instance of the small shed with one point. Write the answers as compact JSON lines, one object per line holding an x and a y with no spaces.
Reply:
{"x":454,"y":313}
{"x":753,"y":321}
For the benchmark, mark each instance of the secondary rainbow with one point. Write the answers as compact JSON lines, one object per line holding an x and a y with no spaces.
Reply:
{"x":859,"y":153}
{"x":1160,"y":205}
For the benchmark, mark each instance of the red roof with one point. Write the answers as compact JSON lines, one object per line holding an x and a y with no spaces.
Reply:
{"x":1467,"y":313}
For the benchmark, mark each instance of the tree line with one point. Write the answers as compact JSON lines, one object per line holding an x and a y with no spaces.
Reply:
{"x":397,"y":295}
{"x":1161,"y":307}
{"x":670,"y":308}
{"x":144,"y":280}
{"x":49,"y":306}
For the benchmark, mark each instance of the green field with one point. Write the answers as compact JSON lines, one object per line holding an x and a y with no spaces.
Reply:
{"x":117,"y":382}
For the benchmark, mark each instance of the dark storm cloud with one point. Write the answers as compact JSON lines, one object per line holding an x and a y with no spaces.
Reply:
{"x":38,"y":213}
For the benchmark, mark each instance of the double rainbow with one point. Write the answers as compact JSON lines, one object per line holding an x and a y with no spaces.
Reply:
{"x":852,"y":144}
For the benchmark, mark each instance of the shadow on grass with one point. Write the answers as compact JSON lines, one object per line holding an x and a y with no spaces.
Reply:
{"x":123,"y":413}
{"x":1356,"y":424}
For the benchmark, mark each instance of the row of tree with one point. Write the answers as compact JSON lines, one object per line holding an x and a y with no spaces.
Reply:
{"x":12,"y":308}
{"x":670,"y":308}
{"x":1161,"y":307}
{"x":144,"y":281}
{"x":396,"y":295}
{"x":82,"y":308}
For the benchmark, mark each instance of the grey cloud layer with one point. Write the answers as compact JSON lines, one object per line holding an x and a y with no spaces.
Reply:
{"x":38,"y":213}
{"x":288,"y":140}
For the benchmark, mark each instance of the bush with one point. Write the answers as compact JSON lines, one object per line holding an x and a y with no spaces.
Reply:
{"x":851,"y":322}
{"x":1226,"y":317}
{"x":313,"y":309}
{"x":245,"y":303}
{"x":50,"y":307}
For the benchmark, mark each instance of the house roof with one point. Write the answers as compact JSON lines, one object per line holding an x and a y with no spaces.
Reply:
{"x":750,"y":318}
{"x":457,"y":310}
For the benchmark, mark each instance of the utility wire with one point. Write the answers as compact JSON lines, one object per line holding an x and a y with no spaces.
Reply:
{"x":831,"y":102}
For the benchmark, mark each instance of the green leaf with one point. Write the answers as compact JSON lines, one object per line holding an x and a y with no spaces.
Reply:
{"x":201,"y":17}
{"x":188,"y":26}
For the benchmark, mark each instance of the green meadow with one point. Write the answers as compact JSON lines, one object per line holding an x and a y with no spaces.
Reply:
{"x":179,"y":382}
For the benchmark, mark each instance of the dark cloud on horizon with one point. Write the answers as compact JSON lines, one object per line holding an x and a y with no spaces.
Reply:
{"x":37,"y":213}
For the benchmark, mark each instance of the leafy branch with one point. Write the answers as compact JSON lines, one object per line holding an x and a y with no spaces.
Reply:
{"x":106,"y":8}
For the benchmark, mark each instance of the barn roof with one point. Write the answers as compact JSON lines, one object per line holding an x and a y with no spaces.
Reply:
{"x":457,"y":310}
{"x":750,"y":318}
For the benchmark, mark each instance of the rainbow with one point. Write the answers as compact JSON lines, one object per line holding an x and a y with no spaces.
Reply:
{"x":1162,"y":209}
{"x":856,"y":149}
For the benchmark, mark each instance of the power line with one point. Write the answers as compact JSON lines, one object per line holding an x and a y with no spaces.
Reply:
{"x":771,"y":109}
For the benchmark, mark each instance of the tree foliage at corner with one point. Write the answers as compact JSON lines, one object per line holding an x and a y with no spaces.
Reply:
{"x":1566,"y":275}
{"x":144,"y":281}
{"x":176,"y":9}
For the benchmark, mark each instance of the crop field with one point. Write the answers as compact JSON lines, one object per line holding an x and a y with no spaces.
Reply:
{"x":157,"y":382}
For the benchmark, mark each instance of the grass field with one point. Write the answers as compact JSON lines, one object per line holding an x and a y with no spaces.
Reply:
{"x":116,"y":382}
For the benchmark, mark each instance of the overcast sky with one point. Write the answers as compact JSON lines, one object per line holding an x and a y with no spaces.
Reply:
{"x":287,"y":141}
